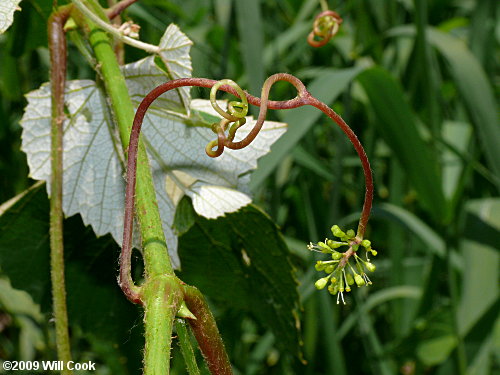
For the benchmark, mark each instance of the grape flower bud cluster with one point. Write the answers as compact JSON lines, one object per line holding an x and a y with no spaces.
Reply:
{"x":339,"y":271}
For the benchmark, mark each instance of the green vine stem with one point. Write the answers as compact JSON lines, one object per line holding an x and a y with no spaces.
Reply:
{"x":57,"y":48}
{"x":161,"y":293}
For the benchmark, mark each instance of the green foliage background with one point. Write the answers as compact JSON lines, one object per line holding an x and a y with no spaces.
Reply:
{"x":417,"y":81}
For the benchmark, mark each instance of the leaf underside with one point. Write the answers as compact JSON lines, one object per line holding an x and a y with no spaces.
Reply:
{"x":93,"y":175}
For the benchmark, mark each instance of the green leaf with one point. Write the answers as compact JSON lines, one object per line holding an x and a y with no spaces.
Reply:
{"x":185,"y":216}
{"x":474,"y":86}
{"x":93,"y":160}
{"x":397,"y":124}
{"x":174,"y":53}
{"x":24,"y":242}
{"x":378,"y":298}
{"x":476,"y":91}
{"x":7,"y":9}
{"x":241,"y":262}
{"x":482,"y":260}
{"x":433,"y":241}
{"x":436,"y":350}
{"x":252,"y":42}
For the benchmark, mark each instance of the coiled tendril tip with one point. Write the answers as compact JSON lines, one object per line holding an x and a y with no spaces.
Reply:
{"x":235,"y":113}
{"x":325,"y":26}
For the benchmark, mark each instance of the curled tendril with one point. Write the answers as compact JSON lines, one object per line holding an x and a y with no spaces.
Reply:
{"x":326,"y":25}
{"x":236,"y":112}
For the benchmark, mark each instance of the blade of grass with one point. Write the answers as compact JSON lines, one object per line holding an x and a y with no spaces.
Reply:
{"x":476,"y":91}
{"x":435,"y":243}
{"x":474,"y":87}
{"x":398,"y":126}
{"x":483,"y":265}
{"x":251,"y":42}
{"x":374,"y":300}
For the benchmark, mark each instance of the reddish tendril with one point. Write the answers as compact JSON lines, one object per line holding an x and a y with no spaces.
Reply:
{"x":303,"y":98}
{"x":325,"y":26}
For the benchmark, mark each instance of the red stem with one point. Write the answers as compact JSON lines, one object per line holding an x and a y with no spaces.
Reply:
{"x":206,"y":333}
{"x":303,"y":98}
{"x":119,"y":7}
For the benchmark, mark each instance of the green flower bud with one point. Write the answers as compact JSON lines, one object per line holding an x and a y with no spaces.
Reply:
{"x":337,"y":232}
{"x":320,"y":266}
{"x":350,"y":279}
{"x":336,"y":255}
{"x":355,"y":247}
{"x":359,"y":280}
{"x":374,"y":252}
{"x":350,"y":234}
{"x":333,"y":280}
{"x":370,"y":266}
{"x":366,"y":244}
{"x":334,"y":244}
{"x":333,"y":289}
{"x":330,"y":268}
{"x":321,"y":283}
{"x":347,"y":288}
{"x":324,"y":247}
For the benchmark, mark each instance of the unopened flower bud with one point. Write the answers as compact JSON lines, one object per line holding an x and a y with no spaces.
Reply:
{"x":366,"y":244}
{"x":370,"y":266}
{"x":374,"y":252}
{"x":359,"y":280}
{"x":320,"y":266}
{"x":337,"y":232}
{"x":336,"y":255}
{"x":330,"y":268}
{"x":334,"y":244}
{"x":350,"y":279}
{"x":350,"y":234}
{"x":333,"y":289}
{"x":321,"y":283}
{"x":324,"y":247}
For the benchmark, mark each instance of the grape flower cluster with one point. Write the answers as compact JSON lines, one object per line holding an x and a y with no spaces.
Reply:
{"x":339,"y":271}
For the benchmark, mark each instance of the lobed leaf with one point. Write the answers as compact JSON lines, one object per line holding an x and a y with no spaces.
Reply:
{"x":94,"y":161}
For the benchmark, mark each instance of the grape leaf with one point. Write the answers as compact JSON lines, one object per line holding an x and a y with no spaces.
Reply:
{"x":94,"y":161}
{"x":244,"y":264}
{"x":174,"y":53}
{"x":7,"y":9}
